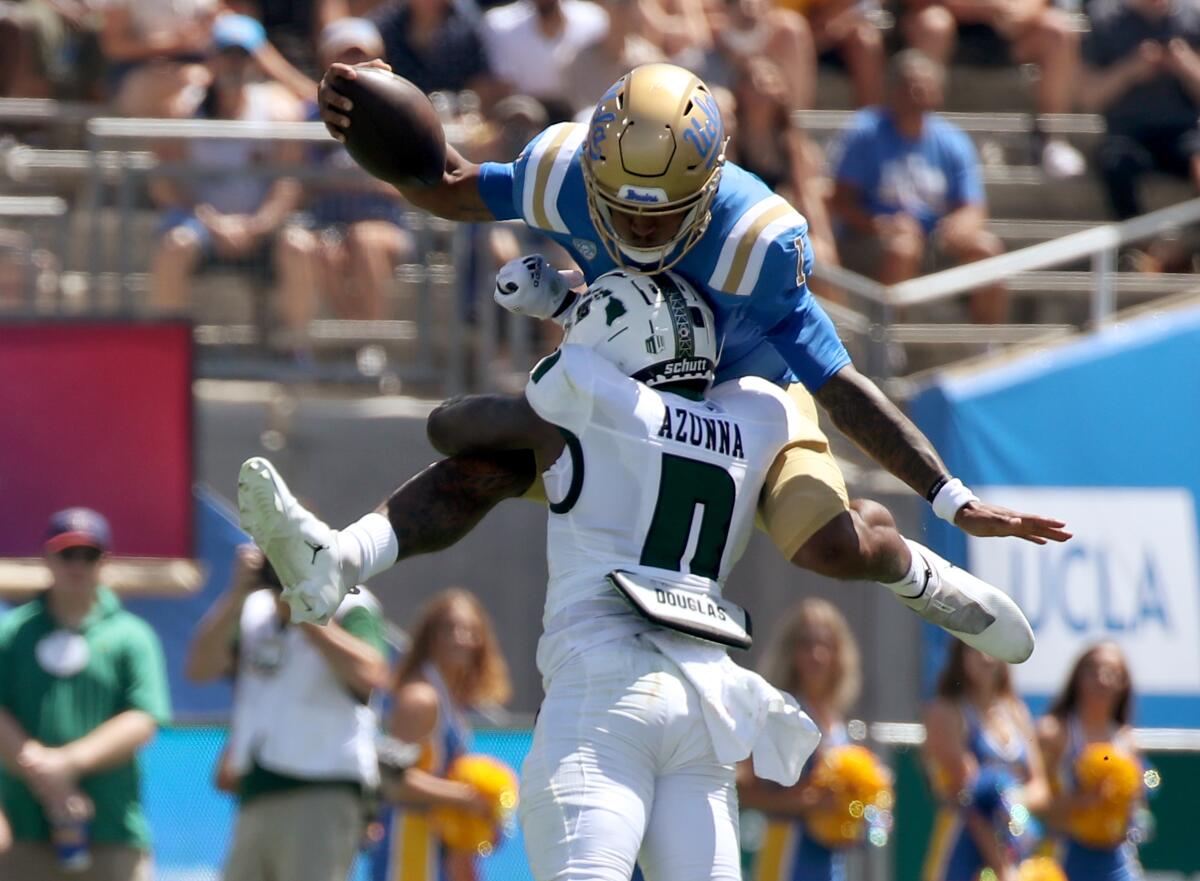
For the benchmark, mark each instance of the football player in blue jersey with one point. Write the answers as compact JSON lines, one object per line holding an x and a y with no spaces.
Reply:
{"x":644,"y":186}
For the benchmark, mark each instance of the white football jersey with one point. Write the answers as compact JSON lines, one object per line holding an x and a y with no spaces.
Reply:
{"x":650,"y":482}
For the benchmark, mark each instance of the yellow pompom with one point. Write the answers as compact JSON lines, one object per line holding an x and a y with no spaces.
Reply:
{"x":497,"y":782}
{"x":861,"y":788}
{"x":1115,"y":777}
{"x":1040,"y":869}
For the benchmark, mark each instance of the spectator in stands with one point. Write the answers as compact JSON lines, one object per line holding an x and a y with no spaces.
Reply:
{"x":744,"y":30}
{"x":596,"y":67}
{"x":354,"y":235}
{"x":84,"y":687}
{"x":846,"y":35}
{"x":294,"y":26}
{"x":232,"y":214}
{"x":979,"y":743}
{"x":302,"y":736}
{"x":531,"y":42}
{"x":155,"y":51}
{"x":679,"y":28}
{"x":453,"y":667}
{"x":998,"y":33}
{"x":437,"y":44}
{"x":1143,"y":73}
{"x":905,"y":179}
{"x":514,"y":122}
{"x":814,"y":657}
{"x":50,"y":50}
{"x":770,"y":146}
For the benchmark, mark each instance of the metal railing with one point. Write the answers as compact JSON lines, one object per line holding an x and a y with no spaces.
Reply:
{"x":1098,"y":244}
{"x":120,"y":160}
{"x":33,"y":232}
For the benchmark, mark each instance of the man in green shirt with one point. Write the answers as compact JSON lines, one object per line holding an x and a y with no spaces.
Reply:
{"x":84,"y":687}
{"x":301,"y":748}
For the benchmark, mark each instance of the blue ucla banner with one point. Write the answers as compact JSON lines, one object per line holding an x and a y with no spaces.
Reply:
{"x":1103,"y":432}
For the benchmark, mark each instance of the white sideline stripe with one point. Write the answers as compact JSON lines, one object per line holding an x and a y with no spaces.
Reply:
{"x":531,"y":167}
{"x":559,"y":173}
{"x":758,"y":255}
{"x":729,"y":249}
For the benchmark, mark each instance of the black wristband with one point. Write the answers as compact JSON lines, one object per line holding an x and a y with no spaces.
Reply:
{"x":936,"y":488}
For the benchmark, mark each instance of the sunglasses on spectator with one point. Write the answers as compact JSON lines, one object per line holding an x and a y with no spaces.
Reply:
{"x":82,"y":554}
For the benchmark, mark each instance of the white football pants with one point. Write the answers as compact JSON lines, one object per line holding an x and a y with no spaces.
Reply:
{"x":622,"y":770}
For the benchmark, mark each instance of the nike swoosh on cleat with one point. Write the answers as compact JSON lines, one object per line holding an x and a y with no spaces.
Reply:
{"x":316,"y":549}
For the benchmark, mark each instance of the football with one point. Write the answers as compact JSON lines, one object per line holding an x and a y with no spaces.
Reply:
{"x":394,"y":132}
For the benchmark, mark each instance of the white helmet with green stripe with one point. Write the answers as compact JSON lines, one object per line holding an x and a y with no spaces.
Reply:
{"x":655,"y":328}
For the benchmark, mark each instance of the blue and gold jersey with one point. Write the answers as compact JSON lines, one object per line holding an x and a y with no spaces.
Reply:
{"x":751,"y":264}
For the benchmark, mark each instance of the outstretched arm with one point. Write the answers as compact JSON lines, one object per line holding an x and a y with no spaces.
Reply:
{"x":455,"y":197}
{"x":865,"y":415}
{"x":490,"y":423}
{"x":496,"y":445}
{"x":440,"y":505}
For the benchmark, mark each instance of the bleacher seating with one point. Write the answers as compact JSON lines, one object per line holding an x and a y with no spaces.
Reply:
{"x":50,"y":156}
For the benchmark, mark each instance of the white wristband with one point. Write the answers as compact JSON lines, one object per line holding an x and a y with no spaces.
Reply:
{"x":952,"y":496}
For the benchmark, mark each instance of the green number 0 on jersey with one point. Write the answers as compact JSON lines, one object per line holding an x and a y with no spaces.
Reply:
{"x":686,"y":483}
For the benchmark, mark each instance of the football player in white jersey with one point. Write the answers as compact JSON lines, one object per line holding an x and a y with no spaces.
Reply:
{"x":652,"y":488}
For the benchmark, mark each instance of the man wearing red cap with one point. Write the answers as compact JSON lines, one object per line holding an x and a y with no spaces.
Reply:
{"x":84,"y":688}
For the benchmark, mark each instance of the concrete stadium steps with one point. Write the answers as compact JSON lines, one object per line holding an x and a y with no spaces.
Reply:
{"x":1023,"y":232}
{"x":1026,"y":192}
{"x":1000,"y":138}
{"x":968,"y":88}
{"x":1046,"y":299}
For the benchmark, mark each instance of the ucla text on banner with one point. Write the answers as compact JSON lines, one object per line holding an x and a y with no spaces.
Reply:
{"x":1100,"y":432}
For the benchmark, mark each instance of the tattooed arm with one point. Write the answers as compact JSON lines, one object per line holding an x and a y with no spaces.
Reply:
{"x":865,"y":415}
{"x":475,"y":423}
{"x":496,"y":445}
{"x":443,"y":503}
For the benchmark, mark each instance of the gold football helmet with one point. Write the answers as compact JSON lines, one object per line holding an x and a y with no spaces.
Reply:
{"x":651,"y":164}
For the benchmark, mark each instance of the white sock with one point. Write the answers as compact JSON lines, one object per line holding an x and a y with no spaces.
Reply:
{"x":912,"y":584}
{"x":368,"y":547}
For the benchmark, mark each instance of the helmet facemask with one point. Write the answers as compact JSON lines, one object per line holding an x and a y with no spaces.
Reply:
{"x":696,"y":211}
{"x":655,"y":148}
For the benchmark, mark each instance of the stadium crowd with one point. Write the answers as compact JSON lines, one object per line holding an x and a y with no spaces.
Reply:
{"x":898,"y":193}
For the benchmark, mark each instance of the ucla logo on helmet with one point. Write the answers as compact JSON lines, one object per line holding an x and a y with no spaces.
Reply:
{"x":596,"y":136}
{"x":648,"y":195}
{"x":706,"y":136}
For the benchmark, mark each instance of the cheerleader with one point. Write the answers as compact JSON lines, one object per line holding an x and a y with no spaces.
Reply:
{"x":978,"y":735}
{"x":1093,"y":711}
{"x":454,"y":666}
{"x":814,"y":657}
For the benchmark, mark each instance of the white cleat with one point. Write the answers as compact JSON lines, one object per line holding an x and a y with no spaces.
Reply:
{"x":301,"y":547}
{"x":982,"y":616}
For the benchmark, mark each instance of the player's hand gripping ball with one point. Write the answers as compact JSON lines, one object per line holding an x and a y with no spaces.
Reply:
{"x":1115,"y":778}
{"x":862,"y":801}
{"x":394,"y":132}
{"x":463,"y":830}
